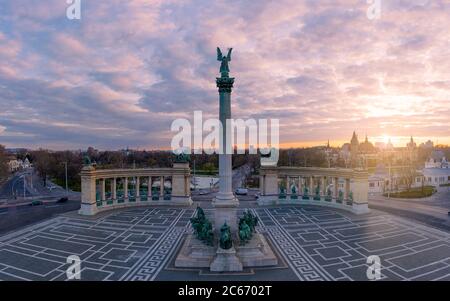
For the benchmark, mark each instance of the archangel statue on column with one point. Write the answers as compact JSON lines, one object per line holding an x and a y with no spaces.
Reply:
{"x":224,"y":69}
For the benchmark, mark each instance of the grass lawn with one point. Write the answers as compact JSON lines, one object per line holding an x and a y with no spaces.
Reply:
{"x":73,"y":185}
{"x":414,"y":193}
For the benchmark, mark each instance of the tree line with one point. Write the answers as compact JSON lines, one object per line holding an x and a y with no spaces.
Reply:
{"x":4,"y":170}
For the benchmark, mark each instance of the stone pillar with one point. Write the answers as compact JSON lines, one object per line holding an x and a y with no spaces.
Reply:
{"x":324,"y":186}
{"x":125,"y":189}
{"x":180,"y":182}
{"x":311,"y":186}
{"x":336,"y":187}
{"x":347,"y":188}
{"x":138,"y":187}
{"x":113,"y":189}
{"x":187,"y":185}
{"x":88,"y":191}
{"x":288,"y":190}
{"x":300,"y":187}
{"x":102,"y":190}
{"x":161,"y":187}
{"x":360,"y":188}
{"x":271,"y":184}
{"x":225,"y":202}
{"x":149,"y":188}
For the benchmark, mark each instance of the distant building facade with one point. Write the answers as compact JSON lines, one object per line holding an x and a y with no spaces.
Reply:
{"x":17,"y":164}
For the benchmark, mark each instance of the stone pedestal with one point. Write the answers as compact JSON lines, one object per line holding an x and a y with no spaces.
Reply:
{"x":226,"y":261}
{"x":360,"y":208}
{"x":256,"y":253}
{"x":195,"y":254}
{"x":225,"y":212}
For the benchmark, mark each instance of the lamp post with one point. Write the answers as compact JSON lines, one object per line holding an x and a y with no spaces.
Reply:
{"x":24,"y":186}
{"x":195,"y":179}
{"x":65,"y":171}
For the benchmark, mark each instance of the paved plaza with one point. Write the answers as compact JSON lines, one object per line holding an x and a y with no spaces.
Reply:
{"x":312,"y":243}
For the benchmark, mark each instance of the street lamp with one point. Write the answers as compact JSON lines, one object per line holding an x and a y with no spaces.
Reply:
{"x":195,"y":180}
{"x":67,"y":184}
{"x":24,"y":185}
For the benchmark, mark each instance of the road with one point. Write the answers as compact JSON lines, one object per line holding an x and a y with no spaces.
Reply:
{"x":15,"y":210}
{"x":432,"y":211}
{"x":14,"y":217}
{"x":12,"y":192}
{"x":15,"y":186}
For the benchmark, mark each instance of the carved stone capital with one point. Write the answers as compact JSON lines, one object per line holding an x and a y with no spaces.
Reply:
{"x":225,"y":84}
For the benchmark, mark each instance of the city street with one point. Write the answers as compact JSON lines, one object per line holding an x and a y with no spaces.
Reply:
{"x":432,"y":210}
{"x":15,"y":186}
{"x":15,"y":217}
{"x":12,"y":192}
{"x":16,"y":211}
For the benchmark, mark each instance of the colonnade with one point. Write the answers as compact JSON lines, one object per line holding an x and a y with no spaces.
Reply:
{"x":333,"y":187}
{"x":94,"y":196}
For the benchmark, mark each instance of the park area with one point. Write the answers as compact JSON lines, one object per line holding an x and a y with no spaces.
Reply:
{"x":413,"y":193}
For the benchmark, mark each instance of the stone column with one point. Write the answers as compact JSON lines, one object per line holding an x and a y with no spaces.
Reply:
{"x":161,"y":188}
{"x":180,"y":181}
{"x":138,"y":186}
{"x":360,"y":188}
{"x":102,"y":190}
{"x":271,"y":184}
{"x":149,"y":188}
{"x":125,"y":189}
{"x":300,"y":188}
{"x":336,"y":187}
{"x":324,"y":186}
{"x":88,"y":191}
{"x":225,"y":202}
{"x":311,"y":186}
{"x":113,"y":189}
{"x":288,"y":191}
{"x":261,"y":185}
{"x":347,"y":188}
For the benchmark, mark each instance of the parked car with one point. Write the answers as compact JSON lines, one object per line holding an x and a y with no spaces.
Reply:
{"x":36,"y":203}
{"x":62,"y":200}
{"x":241,"y":191}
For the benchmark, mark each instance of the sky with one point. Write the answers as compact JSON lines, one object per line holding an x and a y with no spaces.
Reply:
{"x":120,"y":75}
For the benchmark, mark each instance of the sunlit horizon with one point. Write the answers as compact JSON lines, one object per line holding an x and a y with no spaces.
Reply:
{"x":323,"y":68}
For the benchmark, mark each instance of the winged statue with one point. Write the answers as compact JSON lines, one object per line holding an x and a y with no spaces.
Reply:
{"x":224,"y":69}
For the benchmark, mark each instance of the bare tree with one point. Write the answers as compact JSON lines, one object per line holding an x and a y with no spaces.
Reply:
{"x":408,"y":175}
{"x":42,"y":164}
{"x":3,"y":163}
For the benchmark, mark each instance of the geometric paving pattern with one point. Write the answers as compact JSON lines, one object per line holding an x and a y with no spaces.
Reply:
{"x":321,"y":244}
{"x":316,"y":244}
{"x":126,"y":245}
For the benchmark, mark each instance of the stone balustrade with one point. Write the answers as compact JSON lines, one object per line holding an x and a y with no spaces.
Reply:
{"x":100,"y":189}
{"x":333,"y":187}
